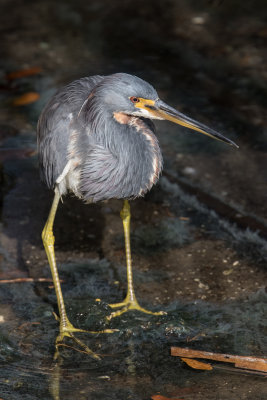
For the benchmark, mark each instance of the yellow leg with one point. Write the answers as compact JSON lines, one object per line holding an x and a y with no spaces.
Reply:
{"x":130,"y":302}
{"x":66,"y":329}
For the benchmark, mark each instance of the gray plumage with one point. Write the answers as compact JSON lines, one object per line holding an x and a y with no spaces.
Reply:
{"x":92,"y":137}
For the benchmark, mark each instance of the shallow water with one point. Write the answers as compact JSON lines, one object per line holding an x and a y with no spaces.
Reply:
{"x":192,"y":257}
{"x":135,"y":361}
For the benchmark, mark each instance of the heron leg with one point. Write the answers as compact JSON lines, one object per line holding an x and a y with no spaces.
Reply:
{"x":130,"y":302}
{"x":66,"y":329}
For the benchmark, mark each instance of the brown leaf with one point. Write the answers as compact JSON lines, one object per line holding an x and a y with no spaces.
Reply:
{"x":26,"y":98}
{"x":7,"y":154}
{"x":197,"y":364}
{"x":23,"y":73}
{"x":184,"y":219}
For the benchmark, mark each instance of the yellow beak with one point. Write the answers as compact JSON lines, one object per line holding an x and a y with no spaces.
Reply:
{"x":161,"y":110}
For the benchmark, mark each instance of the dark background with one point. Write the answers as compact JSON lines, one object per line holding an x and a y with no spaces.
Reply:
{"x":199,"y":238}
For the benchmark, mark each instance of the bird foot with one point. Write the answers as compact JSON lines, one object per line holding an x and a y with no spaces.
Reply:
{"x":67,"y":330}
{"x":130,"y":304}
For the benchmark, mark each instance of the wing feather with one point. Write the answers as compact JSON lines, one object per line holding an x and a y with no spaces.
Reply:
{"x":55,"y":126}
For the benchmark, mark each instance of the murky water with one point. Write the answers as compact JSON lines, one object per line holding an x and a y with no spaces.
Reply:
{"x":135,"y":361}
{"x":200,"y":266}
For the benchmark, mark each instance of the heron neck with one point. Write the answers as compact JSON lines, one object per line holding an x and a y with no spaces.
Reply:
{"x":137,"y":148}
{"x":130,"y":154}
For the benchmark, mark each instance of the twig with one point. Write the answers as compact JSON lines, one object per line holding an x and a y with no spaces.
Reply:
{"x":246,"y":362}
{"x":23,"y":280}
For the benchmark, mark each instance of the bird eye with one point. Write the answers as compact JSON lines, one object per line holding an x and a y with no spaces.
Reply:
{"x":134,"y":99}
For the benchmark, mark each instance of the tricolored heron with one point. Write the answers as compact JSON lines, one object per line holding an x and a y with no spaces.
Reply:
{"x":96,"y":139}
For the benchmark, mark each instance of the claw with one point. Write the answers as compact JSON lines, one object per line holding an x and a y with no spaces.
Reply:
{"x":56,"y":317}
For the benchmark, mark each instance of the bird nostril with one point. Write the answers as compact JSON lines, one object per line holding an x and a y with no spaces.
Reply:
{"x":150,"y":107}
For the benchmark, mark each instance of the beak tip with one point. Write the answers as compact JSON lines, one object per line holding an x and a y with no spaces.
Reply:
{"x":233,"y":144}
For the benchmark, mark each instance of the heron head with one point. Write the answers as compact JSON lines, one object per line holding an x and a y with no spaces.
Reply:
{"x":130,"y":95}
{"x":119,"y":92}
